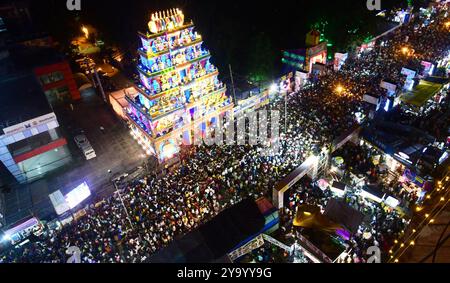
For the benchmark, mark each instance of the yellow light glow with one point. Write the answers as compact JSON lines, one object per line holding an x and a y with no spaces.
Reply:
{"x":396,"y":261}
{"x":431,"y":221}
{"x":414,"y":230}
{"x":442,"y":199}
{"x":427,"y":215}
{"x":402,"y":245}
{"x":405,"y":50}
{"x":307,"y":213}
{"x":412,"y":243}
{"x":85,"y":31}
{"x":390,"y":251}
{"x":339,"y":89}
{"x":418,"y":209}
{"x":396,"y":241}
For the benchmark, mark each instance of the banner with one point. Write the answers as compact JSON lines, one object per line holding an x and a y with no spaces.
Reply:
{"x":49,"y":119}
{"x":339,"y":60}
{"x":389,"y":86}
{"x":249,"y":247}
{"x":370,"y":99}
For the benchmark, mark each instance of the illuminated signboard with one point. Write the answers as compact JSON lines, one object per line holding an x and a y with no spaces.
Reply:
{"x":59,"y":202}
{"x":392,"y":202}
{"x":428,"y":68}
{"x":77,"y":195}
{"x":48,"y":119}
{"x":412,"y":177}
{"x":339,"y":60}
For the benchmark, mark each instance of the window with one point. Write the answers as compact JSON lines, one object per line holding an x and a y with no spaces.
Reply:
{"x":51,"y":78}
{"x":58,"y":95}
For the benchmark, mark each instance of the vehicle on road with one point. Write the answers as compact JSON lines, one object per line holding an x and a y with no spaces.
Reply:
{"x":83,"y":143}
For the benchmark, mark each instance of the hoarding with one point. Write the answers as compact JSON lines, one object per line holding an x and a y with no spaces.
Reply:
{"x":59,"y":202}
{"x":389,"y":86}
{"x":48,"y":119}
{"x":339,"y":60}
{"x":77,"y":195}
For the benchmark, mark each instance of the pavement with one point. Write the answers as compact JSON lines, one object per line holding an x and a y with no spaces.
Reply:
{"x":114,"y":147}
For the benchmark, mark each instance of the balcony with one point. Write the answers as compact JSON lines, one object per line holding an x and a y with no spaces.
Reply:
{"x":139,"y":107}
{"x":145,"y":71}
{"x":201,"y":99}
{"x":147,"y":55}
{"x":196,"y":123}
{"x":150,"y":96}
{"x":139,"y":124}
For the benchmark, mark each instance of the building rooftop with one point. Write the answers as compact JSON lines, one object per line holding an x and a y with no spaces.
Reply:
{"x":21,"y":99}
{"x":421,"y":93}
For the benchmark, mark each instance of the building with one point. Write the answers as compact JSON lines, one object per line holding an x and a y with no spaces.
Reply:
{"x":179,"y":93}
{"x":50,"y":68}
{"x":313,"y":38}
{"x":31,"y":144}
{"x":304,"y":59}
{"x":26,"y":48}
{"x":294,"y":60}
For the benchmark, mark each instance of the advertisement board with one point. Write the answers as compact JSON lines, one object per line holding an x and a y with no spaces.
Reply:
{"x":370,"y":99}
{"x":300,"y":80}
{"x":339,"y":60}
{"x":428,"y":68}
{"x":408,"y":73}
{"x":412,"y":177}
{"x":389,"y":86}
{"x":77,"y":195}
{"x":59,"y":202}
{"x":33,"y":123}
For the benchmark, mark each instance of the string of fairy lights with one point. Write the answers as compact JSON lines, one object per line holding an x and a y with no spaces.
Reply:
{"x":402,"y":245}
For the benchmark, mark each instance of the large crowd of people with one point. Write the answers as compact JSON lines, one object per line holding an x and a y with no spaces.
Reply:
{"x":149,"y":213}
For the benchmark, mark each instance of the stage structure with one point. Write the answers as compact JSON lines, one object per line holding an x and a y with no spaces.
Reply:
{"x":176,"y":80}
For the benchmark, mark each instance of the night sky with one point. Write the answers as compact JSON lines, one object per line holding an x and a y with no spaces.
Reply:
{"x":248,"y":34}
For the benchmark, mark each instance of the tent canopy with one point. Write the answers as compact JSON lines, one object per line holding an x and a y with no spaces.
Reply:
{"x":212,"y":241}
{"x":340,"y":212}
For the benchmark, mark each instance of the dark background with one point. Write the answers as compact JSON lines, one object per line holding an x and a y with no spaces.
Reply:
{"x":248,"y":34}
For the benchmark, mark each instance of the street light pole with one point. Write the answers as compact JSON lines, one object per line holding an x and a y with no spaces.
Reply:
{"x":232,"y":84}
{"x":285,"y":112}
{"x":123,"y":204}
{"x":100,"y":85}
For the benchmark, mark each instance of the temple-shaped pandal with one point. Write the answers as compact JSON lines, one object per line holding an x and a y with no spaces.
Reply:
{"x":177,"y":80}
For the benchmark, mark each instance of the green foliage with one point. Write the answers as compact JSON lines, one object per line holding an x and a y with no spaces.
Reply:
{"x":261,"y":58}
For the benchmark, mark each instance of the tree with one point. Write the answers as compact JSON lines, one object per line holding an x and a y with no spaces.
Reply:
{"x":261,"y":59}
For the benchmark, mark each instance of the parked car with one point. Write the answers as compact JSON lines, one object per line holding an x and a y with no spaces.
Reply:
{"x":83,"y":143}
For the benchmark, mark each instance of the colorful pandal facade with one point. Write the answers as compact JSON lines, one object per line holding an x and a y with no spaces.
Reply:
{"x":177,"y":80}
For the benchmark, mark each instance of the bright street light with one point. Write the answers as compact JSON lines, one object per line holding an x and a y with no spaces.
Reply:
{"x":6,"y":238}
{"x":85,"y":31}
{"x":339,"y":89}
{"x":273,"y":88}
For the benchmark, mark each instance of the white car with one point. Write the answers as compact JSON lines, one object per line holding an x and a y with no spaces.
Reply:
{"x":89,"y":153}
{"x":83,"y":143}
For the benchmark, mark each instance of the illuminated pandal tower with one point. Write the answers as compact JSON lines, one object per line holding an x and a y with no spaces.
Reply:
{"x":176,"y":80}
